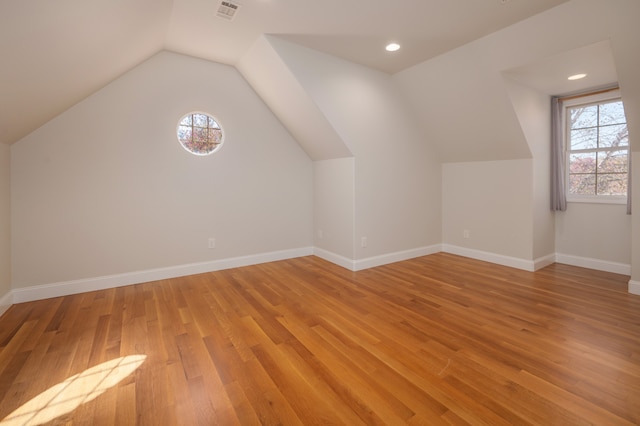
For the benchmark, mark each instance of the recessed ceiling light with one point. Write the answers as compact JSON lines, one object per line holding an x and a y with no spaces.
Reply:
{"x":392,"y":47}
{"x":576,"y":76}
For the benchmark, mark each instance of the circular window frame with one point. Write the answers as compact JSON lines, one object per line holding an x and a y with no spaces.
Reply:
{"x":191,"y":150}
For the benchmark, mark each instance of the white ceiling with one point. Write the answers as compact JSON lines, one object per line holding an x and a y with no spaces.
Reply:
{"x":549,"y":75}
{"x":55,"y":53}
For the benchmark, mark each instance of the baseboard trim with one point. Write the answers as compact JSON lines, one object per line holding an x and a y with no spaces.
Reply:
{"x":544,"y":261}
{"x":372,"y":262}
{"x":5,"y":302}
{"x":47,"y":291}
{"x":600,"y":265}
{"x":384,"y":259}
{"x":513,"y":262}
{"x":337,"y":259}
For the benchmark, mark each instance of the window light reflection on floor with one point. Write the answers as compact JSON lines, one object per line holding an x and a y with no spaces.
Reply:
{"x":73,"y":392}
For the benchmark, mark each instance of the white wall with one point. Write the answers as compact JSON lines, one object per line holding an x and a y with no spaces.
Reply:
{"x":595,"y":231}
{"x":334,"y":204}
{"x":492,"y":200}
{"x":5,"y":226}
{"x":397,"y":173}
{"x":470,"y":113}
{"x":463,"y":105}
{"x":533,"y":110}
{"x":278,"y":87}
{"x":105,"y":188}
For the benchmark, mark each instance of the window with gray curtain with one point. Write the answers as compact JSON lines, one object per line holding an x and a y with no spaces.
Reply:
{"x":590,"y":154}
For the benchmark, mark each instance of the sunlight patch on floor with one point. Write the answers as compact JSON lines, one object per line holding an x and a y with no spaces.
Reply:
{"x":73,"y":392}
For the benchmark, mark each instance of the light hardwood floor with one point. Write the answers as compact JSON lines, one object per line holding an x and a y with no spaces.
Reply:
{"x":439,"y":339}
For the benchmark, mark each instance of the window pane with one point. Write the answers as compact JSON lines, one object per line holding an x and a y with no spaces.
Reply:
{"x":199,"y":135}
{"x":585,"y":116}
{"x":612,"y":113}
{"x":582,"y":184}
{"x":212,"y":123}
{"x":612,"y":184}
{"x":215,"y":136}
{"x":200,"y":120}
{"x":582,"y":163}
{"x":584,"y":139}
{"x":614,"y":135}
{"x":612,"y":161}
{"x":184,"y":133}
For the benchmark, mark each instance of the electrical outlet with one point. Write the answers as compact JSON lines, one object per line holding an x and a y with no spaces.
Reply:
{"x":212,"y":243}
{"x":466,"y":233}
{"x":363,"y":242}
{"x":320,"y":235}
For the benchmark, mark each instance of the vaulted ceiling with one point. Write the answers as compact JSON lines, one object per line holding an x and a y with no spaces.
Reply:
{"x":56,"y":53}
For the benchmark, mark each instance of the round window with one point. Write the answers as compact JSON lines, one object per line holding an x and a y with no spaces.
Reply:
{"x":199,"y":133}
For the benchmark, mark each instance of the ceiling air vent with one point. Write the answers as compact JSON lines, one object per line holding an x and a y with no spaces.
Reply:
{"x":227,"y":10}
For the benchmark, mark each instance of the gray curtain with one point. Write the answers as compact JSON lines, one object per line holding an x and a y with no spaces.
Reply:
{"x":558,"y":163}
{"x":629,"y":184}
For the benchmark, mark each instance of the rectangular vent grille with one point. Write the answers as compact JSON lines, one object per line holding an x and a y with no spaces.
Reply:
{"x":227,"y":10}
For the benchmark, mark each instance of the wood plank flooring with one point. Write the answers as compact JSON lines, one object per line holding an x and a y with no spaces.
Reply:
{"x":439,"y":339}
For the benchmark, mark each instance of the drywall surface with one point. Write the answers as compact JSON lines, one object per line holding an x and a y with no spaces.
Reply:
{"x":595,"y":231}
{"x":105,"y":188}
{"x":278,"y":87}
{"x":465,"y":86}
{"x":334,"y":200}
{"x":397,"y":173}
{"x":464,"y":107}
{"x":533,"y":110}
{"x":5,"y":221}
{"x":487,"y":206}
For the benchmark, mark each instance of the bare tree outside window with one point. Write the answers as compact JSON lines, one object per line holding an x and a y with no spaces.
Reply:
{"x":199,"y":133}
{"x":598,"y":149}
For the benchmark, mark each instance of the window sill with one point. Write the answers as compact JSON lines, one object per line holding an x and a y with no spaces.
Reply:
{"x":598,"y":200}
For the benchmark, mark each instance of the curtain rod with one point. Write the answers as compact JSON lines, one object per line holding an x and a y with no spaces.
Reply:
{"x":582,"y":95}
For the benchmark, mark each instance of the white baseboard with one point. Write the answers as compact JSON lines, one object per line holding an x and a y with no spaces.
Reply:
{"x":600,"y":265}
{"x":544,"y":261}
{"x":47,"y":291}
{"x":513,"y":262}
{"x":5,"y":302}
{"x":372,"y":262}
{"x":337,"y":259}
{"x":541,"y":262}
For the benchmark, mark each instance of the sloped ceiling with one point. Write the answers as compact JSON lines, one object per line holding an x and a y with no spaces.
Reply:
{"x":547,"y":75}
{"x":56,"y":53}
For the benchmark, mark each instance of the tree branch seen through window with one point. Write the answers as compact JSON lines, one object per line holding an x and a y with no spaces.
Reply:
{"x":598,"y":145}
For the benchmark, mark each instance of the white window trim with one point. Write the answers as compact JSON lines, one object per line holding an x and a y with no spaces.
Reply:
{"x":592,"y":199}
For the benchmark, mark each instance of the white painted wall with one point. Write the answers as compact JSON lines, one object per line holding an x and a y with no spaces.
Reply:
{"x":5,"y":223}
{"x":595,"y":231}
{"x":533,"y":110}
{"x":334,"y":204}
{"x":492,"y":200}
{"x":105,"y":188}
{"x":464,"y":107}
{"x":471,"y":114}
{"x":397,"y":173}
{"x":278,"y":87}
